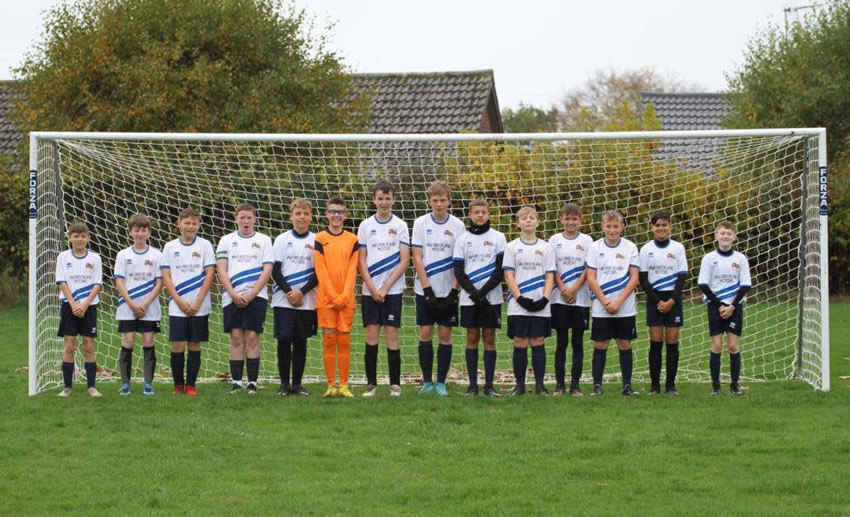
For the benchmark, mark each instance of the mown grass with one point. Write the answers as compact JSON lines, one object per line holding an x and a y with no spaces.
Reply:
{"x":783,"y":449}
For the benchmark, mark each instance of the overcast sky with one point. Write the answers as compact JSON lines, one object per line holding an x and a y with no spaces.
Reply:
{"x":537,"y":49}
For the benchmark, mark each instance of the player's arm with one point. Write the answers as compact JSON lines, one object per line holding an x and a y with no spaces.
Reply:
{"x":347,"y":293}
{"x":320,"y":266}
{"x":261,"y":283}
{"x":651,"y":294}
{"x":195,"y":306}
{"x":463,"y":279}
{"x":403,"y":264}
{"x":630,"y":287}
{"x":95,"y":290}
{"x":63,"y":286}
{"x":364,"y":273}
{"x":154,"y":294}
{"x":510,"y":281}
{"x":224,"y":278}
{"x":593,"y":284}
{"x":496,"y":278}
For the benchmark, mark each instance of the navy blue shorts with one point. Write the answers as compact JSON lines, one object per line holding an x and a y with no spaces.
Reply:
{"x":387,"y":314}
{"x":70,"y":325}
{"x":529,"y":327}
{"x":138,"y":326}
{"x":425,"y":315}
{"x":292,"y":324}
{"x":673,"y":318}
{"x":606,"y":329}
{"x":481,"y":316}
{"x":250,"y":317}
{"x":717,"y":325}
{"x":194,"y":329}
{"x":565,"y":317}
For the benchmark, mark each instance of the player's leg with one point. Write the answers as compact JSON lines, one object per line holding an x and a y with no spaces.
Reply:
{"x":251,"y":339}
{"x":426,"y":344}
{"x":559,"y":323}
{"x":715,"y":330}
{"x":284,"y":329}
{"x":520,"y":364}
{"x":444,"y":358}
{"x":393,"y":359}
{"x":90,"y":364}
{"x":305,"y":326}
{"x":149,"y":360}
{"x":488,"y":336}
{"x":343,"y":349}
{"x":329,"y":354}
{"x":68,"y":353}
{"x":125,"y":357}
{"x":538,"y":364}
{"x":734,"y":362}
{"x":601,"y":333}
{"x":671,"y":338}
{"x":193,"y":366}
{"x":471,"y":352}
{"x":577,"y":342}
{"x":626,"y":365}
{"x":656,"y":346}
{"x":178,"y":335}
{"x":237,"y":358}
{"x":370,"y":357}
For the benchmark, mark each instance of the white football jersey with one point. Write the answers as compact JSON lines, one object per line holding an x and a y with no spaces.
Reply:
{"x":437,"y":242}
{"x":140,"y":271}
{"x":382,"y":242}
{"x":613,"y":271}
{"x":245,"y":257}
{"x":530,"y":262}
{"x":478,"y":253}
{"x":571,"y":259}
{"x":80,"y":273}
{"x":187,"y":264}
{"x":663,"y":265}
{"x":724,"y":273}
{"x":294,"y":253}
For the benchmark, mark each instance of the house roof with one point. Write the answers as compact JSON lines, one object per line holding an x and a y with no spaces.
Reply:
{"x":437,"y":102}
{"x":688,"y":111}
{"x":10,"y":135}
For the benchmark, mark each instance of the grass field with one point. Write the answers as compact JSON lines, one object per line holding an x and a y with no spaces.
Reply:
{"x":783,"y":449}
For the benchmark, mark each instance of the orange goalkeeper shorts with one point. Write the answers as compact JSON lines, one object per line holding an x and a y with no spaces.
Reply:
{"x":340,"y":320}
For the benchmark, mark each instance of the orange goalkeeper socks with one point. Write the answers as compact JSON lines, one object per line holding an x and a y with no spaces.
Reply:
{"x":329,"y":352}
{"x":343,"y":342}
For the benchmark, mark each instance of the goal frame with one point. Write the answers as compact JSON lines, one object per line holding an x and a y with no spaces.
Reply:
{"x":36,"y":136}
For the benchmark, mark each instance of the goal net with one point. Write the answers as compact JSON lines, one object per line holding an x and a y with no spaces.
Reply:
{"x":767,"y":182}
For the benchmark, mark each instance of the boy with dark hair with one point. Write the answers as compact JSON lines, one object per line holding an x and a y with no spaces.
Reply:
{"x":478,"y":256}
{"x":433,"y":243}
{"x":79,"y":275}
{"x":724,"y":278}
{"x":663,"y":269}
{"x":187,"y":265}
{"x":294,"y":297}
{"x":139,"y":281}
{"x":244,"y":260}
{"x":384,"y":257}
{"x":571,"y":304}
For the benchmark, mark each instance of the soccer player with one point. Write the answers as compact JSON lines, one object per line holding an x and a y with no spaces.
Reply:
{"x":187,"y":266}
{"x":612,"y":275}
{"x":478,"y":256}
{"x":433,"y":243}
{"x":79,"y":275}
{"x":663,"y":269}
{"x":244,"y":261}
{"x":724,"y":277}
{"x":294,"y":297}
{"x":529,"y":267}
{"x":335,"y":259}
{"x":384,"y":257}
{"x":139,"y":282}
{"x":571,"y":304}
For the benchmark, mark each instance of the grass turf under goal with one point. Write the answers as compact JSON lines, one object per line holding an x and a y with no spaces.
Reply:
{"x":781,"y":449}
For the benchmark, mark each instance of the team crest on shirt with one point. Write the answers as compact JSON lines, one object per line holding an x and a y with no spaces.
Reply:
{"x":195,"y":254}
{"x":392,"y":231}
{"x":148,"y":262}
{"x":485,"y":243}
{"x":735,"y":265}
{"x":671,"y":256}
{"x":255,"y":245}
{"x":538,"y":252}
{"x":578,"y":247}
{"x":308,"y":247}
{"x":449,"y":233}
{"x":89,"y":265}
{"x":619,"y":256}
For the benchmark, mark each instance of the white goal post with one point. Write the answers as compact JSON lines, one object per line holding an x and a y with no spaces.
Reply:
{"x":770,"y":182}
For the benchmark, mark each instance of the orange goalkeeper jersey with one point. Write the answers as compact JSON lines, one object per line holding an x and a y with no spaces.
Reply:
{"x":335,"y":261}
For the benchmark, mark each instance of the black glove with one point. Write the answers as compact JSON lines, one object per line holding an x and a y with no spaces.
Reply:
{"x":526,"y":303}
{"x":478,"y":297}
{"x":453,"y":297}
{"x":539,"y":305}
{"x":430,"y":298}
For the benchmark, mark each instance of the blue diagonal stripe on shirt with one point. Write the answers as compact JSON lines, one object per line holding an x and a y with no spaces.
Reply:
{"x":87,"y":289}
{"x":487,"y":272}
{"x":138,"y":294}
{"x":540,"y":278}
{"x":385,"y":268}
{"x":184,"y":283}
{"x":82,"y":294}
{"x":189,"y":287}
{"x":438,"y":263}
{"x":132,"y":292}
{"x":251,"y":271}
{"x":616,"y":281}
{"x":384,"y":261}
{"x":664,"y":285}
{"x":437,"y":271}
{"x":245,"y":279}
{"x":665,"y":280}
{"x":484,"y":269}
{"x":301,"y":275}
{"x":531,"y":287}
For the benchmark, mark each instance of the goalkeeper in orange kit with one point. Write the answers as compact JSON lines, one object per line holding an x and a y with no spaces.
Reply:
{"x":335,"y":261}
